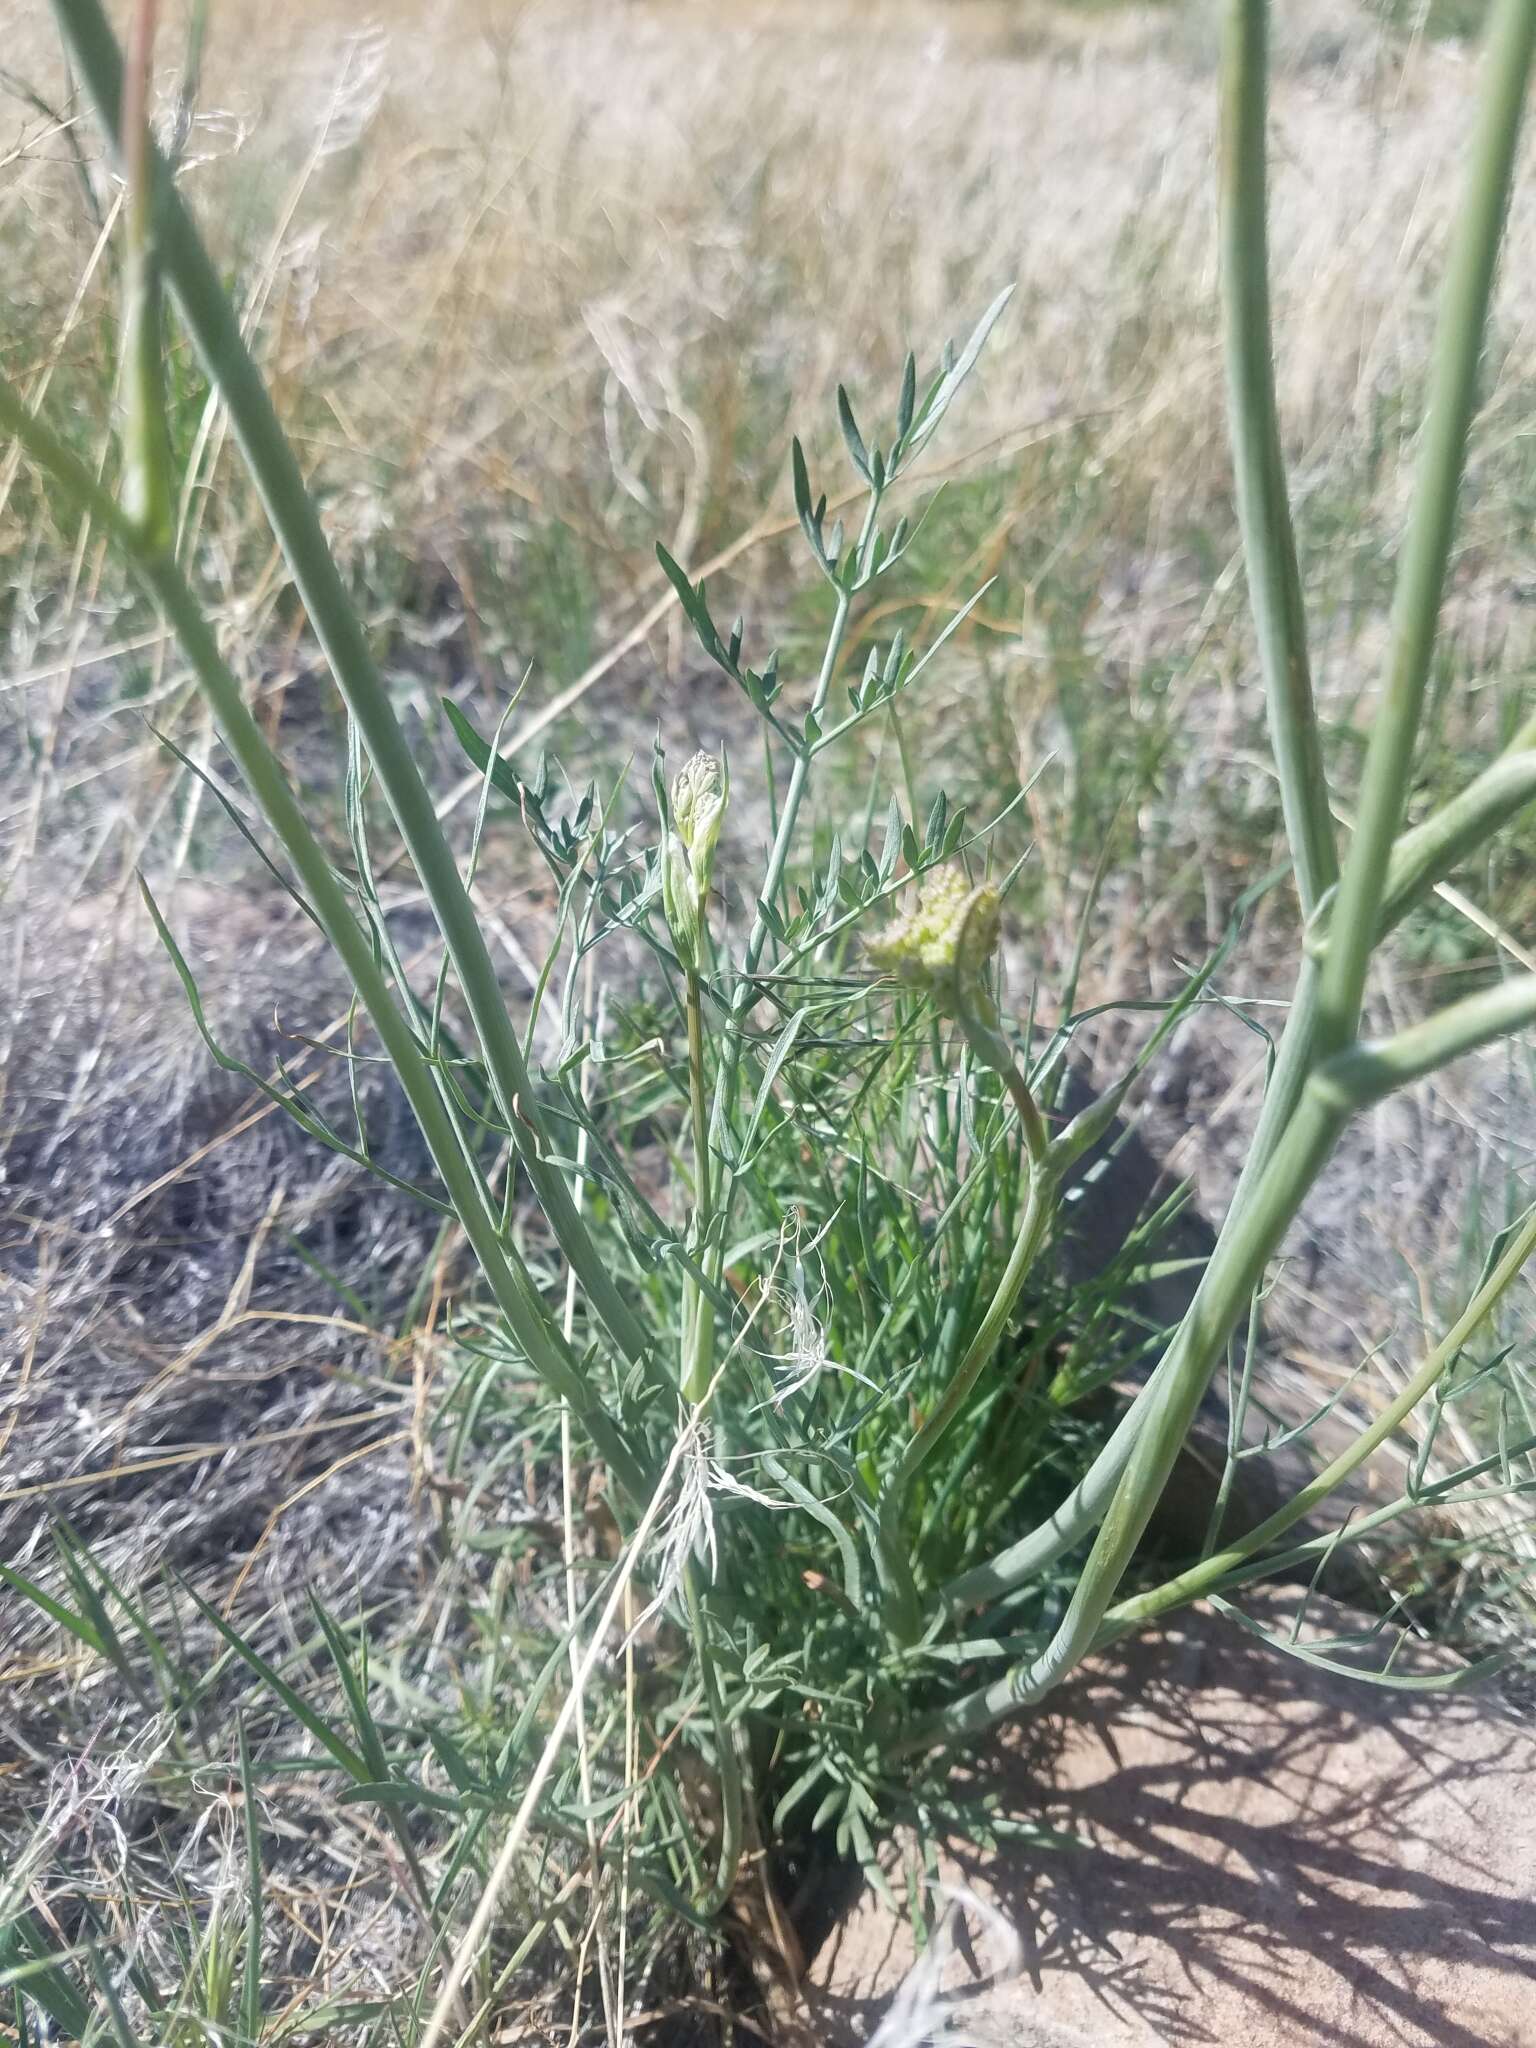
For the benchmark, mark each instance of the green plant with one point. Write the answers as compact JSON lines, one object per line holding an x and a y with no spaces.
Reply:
{"x":840,"y":1462}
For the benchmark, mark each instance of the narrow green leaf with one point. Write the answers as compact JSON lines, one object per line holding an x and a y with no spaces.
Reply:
{"x":691,"y":599}
{"x":400,"y":1795}
{"x":353,"y":1690}
{"x":780,"y":1051}
{"x":907,"y":404}
{"x":802,"y":489}
{"x":292,"y":1102}
{"x":503,"y":775}
{"x":117,"y":2019}
{"x":250,"y":1981}
{"x":333,"y":1744}
{"x":806,"y":1782}
{"x":66,"y":1617}
{"x":943,"y":394}
{"x":1456,"y":1679}
{"x":237,"y":818}
{"x":852,"y":436}
{"x":26,"y":1962}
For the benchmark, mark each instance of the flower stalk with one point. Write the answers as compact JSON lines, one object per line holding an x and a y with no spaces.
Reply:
{"x":1459,"y":341}
{"x":146,"y":486}
{"x":691,"y":833}
{"x":944,"y":948}
{"x":211,"y":321}
{"x":1264,"y":513}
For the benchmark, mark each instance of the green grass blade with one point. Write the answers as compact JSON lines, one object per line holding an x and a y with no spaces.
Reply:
{"x":76,"y":1624}
{"x":330,"y":1741}
{"x":250,"y":1978}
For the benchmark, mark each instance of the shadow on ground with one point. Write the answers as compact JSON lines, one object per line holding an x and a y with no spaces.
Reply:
{"x":1273,"y":1855}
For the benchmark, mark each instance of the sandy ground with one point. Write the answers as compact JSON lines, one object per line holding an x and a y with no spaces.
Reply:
{"x":1273,"y":1856}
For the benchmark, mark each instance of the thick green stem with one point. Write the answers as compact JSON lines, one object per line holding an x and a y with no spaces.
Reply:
{"x":1211,"y":1572}
{"x":1269,"y":545}
{"x":1235,"y":1270}
{"x":728,"y":1763}
{"x":1032,"y":1124}
{"x":1449,"y":836}
{"x":1317,"y":1549}
{"x":1326,"y":1009}
{"x":146,"y":484}
{"x":511,"y":1289}
{"x":1426,"y":552}
{"x":211,"y":321}
{"x":1439,"y":844}
{"x":1353,"y":1081}
{"x":1372,"y":1069}
{"x":1034,"y":1227}
{"x":1084,"y":1508}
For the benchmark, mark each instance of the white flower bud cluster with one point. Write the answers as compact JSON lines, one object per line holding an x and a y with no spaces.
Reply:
{"x":699,"y":797}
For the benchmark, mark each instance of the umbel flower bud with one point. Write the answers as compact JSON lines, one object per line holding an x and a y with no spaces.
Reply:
{"x":698,"y":805}
{"x":944,"y":946}
{"x":699,"y":797}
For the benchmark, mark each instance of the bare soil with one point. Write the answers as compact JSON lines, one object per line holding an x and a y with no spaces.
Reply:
{"x":1272,"y":1855}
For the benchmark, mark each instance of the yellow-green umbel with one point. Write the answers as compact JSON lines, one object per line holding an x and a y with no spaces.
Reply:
{"x":944,"y":946}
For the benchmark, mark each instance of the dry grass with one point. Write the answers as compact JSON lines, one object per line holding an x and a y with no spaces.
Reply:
{"x":537,"y":286}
